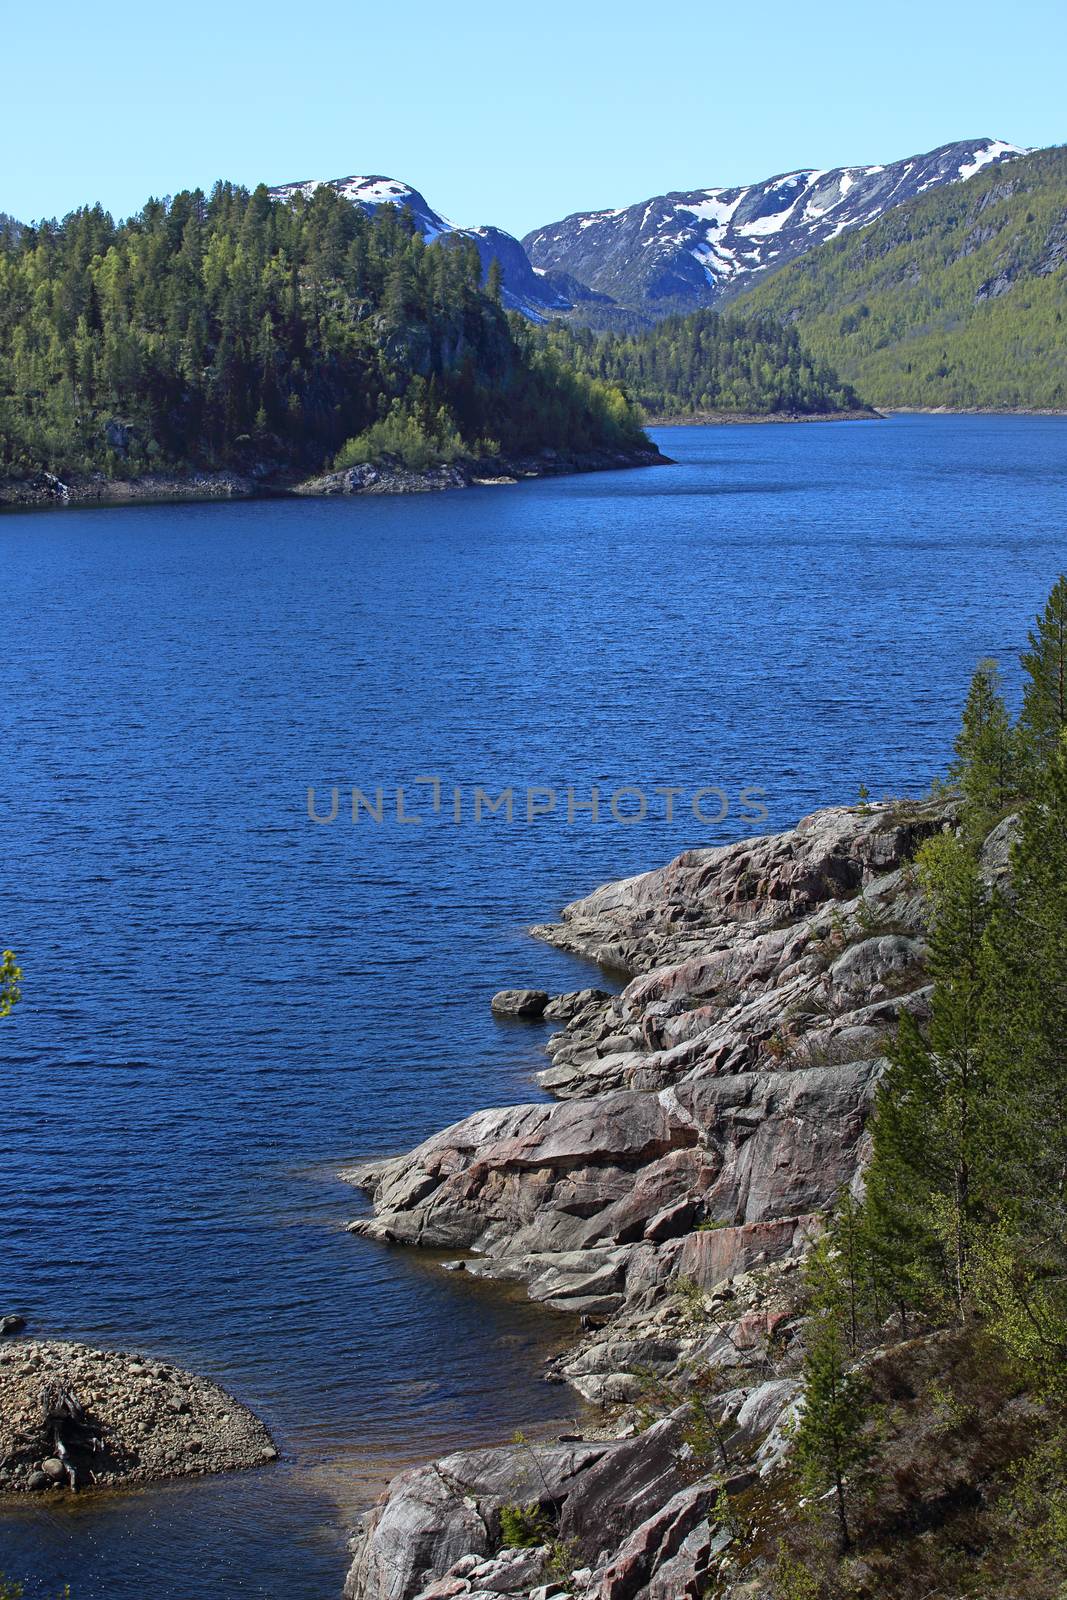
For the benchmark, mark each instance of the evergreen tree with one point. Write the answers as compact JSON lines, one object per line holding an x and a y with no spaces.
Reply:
{"x":1044,"y":711}
{"x":931,"y":1127}
{"x":985,"y":766}
{"x":1023,"y":1277}
{"x":831,"y":1440}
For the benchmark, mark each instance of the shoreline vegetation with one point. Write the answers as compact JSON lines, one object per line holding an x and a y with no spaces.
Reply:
{"x":716,"y":419}
{"x":802,"y":1181}
{"x":242,"y":345}
{"x":974,"y":411}
{"x":47,"y":491}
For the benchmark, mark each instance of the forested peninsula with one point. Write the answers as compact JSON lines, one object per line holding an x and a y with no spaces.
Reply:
{"x":234,"y":340}
{"x":242,"y":343}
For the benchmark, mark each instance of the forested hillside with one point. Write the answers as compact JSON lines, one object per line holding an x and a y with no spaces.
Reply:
{"x":959,"y":1243}
{"x":705,"y":362}
{"x":955,"y":299}
{"x":237,"y":329}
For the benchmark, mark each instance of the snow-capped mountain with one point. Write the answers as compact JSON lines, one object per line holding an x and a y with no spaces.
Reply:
{"x":679,"y":251}
{"x":524,"y":290}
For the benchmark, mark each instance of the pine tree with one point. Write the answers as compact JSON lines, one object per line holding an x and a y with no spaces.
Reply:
{"x":1025,"y":1023}
{"x":985,"y":766}
{"x":930,"y":1129}
{"x":848,"y":1240}
{"x":1044,"y":711}
{"x":831,"y":1441}
{"x":494,"y":281}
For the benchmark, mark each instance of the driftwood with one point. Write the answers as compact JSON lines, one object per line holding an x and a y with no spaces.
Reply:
{"x":70,"y":1429}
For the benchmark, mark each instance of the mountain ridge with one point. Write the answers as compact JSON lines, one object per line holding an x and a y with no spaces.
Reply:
{"x":691,"y":249}
{"x":523,"y":290}
{"x":956,"y":300}
{"x":680,"y":251}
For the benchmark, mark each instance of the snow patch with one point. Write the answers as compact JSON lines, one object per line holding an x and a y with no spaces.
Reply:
{"x":713,"y":208}
{"x":987,"y":154}
{"x":765,"y":225}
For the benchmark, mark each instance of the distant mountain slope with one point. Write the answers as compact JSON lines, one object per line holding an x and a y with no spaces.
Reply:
{"x":524,"y":290}
{"x":684,"y":250}
{"x":705,"y":362}
{"x":958,"y":299}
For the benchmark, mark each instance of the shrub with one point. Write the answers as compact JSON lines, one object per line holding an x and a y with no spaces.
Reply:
{"x":522,"y":1527}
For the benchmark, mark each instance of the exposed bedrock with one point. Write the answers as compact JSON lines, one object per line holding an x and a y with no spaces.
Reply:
{"x":705,"y":1119}
{"x":592,"y":1202}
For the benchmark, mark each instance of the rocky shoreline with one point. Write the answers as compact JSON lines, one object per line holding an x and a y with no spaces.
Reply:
{"x":704,"y":1120}
{"x":704,"y":419}
{"x":76,"y":1418}
{"x":265,"y":483}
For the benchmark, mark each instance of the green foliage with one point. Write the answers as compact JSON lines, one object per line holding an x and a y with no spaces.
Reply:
{"x":791,"y":1579}
{"x":17,"y":1591}
{"x":404,"y":433}
{"x":931,"y":1129}
{"x":10,"y":991}
{"x":966,"y":1199}
{"x":728,"y":1517}
{"x":522,"y":1527}
{"x":957,"y":298}
{"x":1037,"y":1507}
{"x":693,"y":1299}
{"x":831,"y":1437}
{"x":1021,"y":1281}
{"x":986,"y":764}
{"x":704,"y":1436}
{"x":563,"y":1555}
{"x":237,"y":330}
{"x":705,"y":363}
{"x":1044,"y":714}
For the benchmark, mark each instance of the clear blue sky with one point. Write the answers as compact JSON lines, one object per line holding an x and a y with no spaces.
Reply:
{"x":504,"y":114}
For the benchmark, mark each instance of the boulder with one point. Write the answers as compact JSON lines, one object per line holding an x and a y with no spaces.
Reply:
{"x":527,"y":1003}
{"x":432,"y":1517}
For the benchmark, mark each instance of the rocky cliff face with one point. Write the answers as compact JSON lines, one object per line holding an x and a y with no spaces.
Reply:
{"x":683,"y":250}
{"x":704,"y":1120}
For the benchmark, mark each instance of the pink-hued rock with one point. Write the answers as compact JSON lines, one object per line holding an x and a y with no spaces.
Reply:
{"x":434,"y":1516}
{"x":706,"y":1119}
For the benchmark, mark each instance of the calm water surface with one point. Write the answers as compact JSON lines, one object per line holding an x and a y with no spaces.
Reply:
{"x":225,"y":1002}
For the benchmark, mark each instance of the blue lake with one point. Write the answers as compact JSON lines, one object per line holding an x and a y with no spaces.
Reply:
{"x":225,"y":1001}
